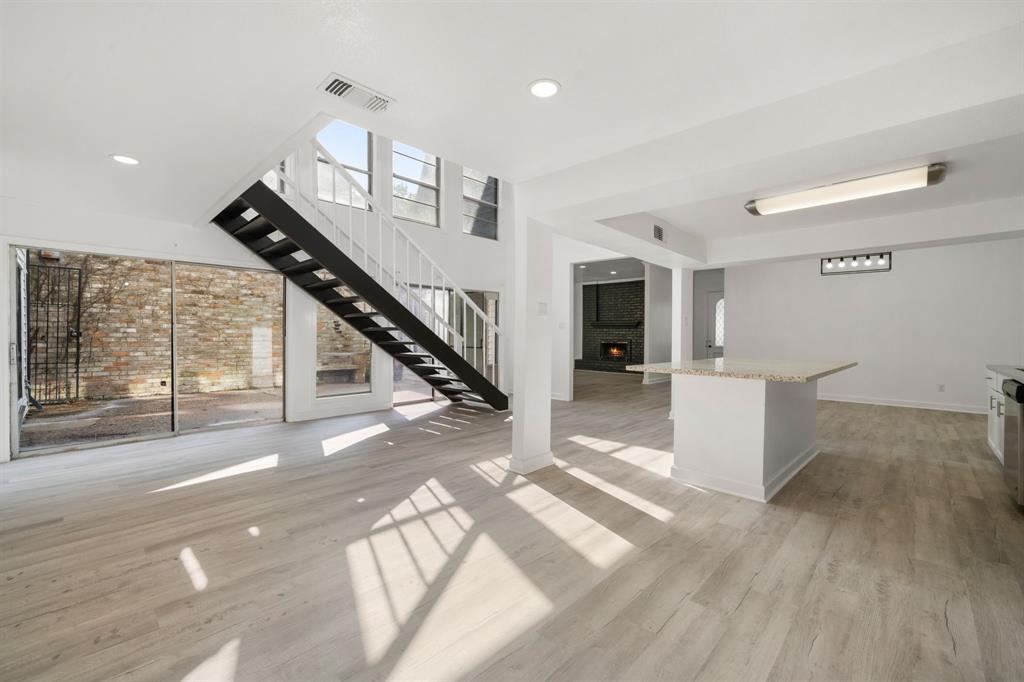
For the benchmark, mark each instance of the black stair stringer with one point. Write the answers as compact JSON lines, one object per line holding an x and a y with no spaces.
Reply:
{"x":272,"y":208}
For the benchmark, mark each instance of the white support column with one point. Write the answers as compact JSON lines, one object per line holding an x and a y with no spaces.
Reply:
{"x":682,"y":321}
{"x":531,"y":402}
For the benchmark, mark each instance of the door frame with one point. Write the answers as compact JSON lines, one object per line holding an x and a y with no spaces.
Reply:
{"x":711,"y":299}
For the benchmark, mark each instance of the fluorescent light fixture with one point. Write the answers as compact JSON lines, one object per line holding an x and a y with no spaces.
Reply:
{"x":126,"y":160}
{"x":545,"y":87}
{"x":861,"y":188}
{"x":861,"y":264}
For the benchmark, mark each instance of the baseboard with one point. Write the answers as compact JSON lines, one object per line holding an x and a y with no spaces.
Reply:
{"x":719,"y":484}
{"x":757,"y":493}
{"x":561,"y":396}
{"x":780,"y":479}
{"x":659,"y":378}
{"x":995,"y":451}
{"x":893,"y":402}
{"x":531,"y":463}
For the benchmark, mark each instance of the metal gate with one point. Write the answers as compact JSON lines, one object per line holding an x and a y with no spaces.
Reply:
{"x":54,"y":337}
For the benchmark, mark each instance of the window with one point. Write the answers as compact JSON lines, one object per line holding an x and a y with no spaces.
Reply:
{"x":352,"y":147}
{"x":479,"y":204}
{"x":343,"y":357}
{"x":416,"y":184}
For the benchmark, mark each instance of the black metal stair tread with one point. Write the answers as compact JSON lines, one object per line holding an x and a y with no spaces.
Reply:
{"x":260,"y":214}
{"x":323,"y":284}
{"x":343,"y":299}
{"x":256,"y":228}
{"x":301,"y":267}
{"x":282,"y":248}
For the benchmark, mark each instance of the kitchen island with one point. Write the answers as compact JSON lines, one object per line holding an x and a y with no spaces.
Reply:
{"x":743,"y":426}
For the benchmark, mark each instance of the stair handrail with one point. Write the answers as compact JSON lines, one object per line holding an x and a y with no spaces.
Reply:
{"x":338,"y":167}
{"x":385,"y":221}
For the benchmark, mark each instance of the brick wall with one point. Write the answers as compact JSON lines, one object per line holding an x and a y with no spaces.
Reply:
{"x":229,"y":327}
{"x":619,"y":301}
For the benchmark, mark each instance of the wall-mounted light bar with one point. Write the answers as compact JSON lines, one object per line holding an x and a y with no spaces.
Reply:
{"x":861,"y":188}
{"x":851,"y":265}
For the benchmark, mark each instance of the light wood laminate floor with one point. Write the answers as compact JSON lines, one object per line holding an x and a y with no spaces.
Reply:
{"x":397,"y":545}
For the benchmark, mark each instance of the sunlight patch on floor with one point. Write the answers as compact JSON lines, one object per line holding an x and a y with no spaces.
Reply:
{"x":336,"y":444}
{"x":487,"y":603}
{"x":592,"y":541}
{"x":220,"y":667}
{"x":598,"y":444}
{"x":416,"y":410}
{"x":392,"y":569}
{"x":194,"y":569}
{"x":491,"y":471}
{"x":632,"y":499}
{"x":259,"y":464}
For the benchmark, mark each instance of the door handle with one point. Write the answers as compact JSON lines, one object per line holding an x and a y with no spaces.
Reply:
{"x":999,"y":409}
{"x":991,"y":403}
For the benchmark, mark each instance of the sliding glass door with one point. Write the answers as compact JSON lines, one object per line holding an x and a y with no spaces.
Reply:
{"x":229,"y":345}
{"x":116,"y":348}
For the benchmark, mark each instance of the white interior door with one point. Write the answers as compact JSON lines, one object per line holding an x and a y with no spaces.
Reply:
{"x":714,"y":335}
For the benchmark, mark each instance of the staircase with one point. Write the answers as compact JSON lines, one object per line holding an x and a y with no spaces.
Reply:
{"x":346,"y":253}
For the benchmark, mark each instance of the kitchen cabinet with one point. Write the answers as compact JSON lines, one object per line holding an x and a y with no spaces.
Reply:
{"x":996,"y":410}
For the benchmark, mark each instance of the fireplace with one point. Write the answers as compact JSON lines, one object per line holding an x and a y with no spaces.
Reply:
{"x":615,"y":350}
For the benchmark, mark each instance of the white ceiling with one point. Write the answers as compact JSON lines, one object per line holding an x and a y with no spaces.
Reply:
{"x":601,"y":271}
{"x":203,"y":92}
{"x":980,"y":172}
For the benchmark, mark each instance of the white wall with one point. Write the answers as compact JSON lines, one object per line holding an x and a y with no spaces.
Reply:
{"x":657,"y":319}
{"x":939,"y":317}
{"x":566,"y":309}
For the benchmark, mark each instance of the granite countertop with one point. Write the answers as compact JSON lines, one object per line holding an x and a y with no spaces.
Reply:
{"x":790,"y":371}
{"x":1008,"y":371}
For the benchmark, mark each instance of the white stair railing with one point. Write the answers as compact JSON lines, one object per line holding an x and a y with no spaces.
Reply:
{"x":340,"y":208}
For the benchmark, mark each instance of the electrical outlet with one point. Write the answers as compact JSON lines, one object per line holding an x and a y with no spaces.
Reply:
{"x":942,"y":388}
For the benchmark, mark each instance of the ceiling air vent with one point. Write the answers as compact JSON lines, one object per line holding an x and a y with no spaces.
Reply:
{"x":659,"y":233}
{"x":354,"y":93}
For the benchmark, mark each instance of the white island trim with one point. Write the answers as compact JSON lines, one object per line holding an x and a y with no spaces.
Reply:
{"x":743,"y":426}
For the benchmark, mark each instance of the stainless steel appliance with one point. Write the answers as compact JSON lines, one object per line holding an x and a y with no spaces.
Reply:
{"x":1013,"y":439}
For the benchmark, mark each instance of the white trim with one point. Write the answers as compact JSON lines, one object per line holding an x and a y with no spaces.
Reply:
{"x":894,"y":402}
{"x":561,"y":396}
{"x":780,"y":479}
{"x":995,"y":451}
{"x":656,"y":378}
{"x":718,"y":484}
{"x":532,"y":463}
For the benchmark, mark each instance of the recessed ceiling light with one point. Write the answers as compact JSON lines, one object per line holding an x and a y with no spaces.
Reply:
{"x":583,"y":267}
{"x":545,"y":87}
{"x":614,"y":273}
{"x":126,"y":160}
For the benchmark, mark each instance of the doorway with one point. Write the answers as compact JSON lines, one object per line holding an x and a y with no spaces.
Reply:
{"x":708,"y":314}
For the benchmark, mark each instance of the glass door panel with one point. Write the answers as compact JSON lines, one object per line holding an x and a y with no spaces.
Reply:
{"x":229,"y":333}
{"x":97,"y":348}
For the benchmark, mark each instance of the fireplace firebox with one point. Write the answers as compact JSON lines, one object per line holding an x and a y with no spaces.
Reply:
{"x":615,"y":350}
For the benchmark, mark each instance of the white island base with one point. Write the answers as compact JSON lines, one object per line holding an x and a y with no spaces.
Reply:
{"x":743,"y":427}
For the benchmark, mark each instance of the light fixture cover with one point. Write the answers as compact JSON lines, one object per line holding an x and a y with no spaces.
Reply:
{"x":861,"y":188}
{"x":545,"y":87}
{"x":126,"y":160}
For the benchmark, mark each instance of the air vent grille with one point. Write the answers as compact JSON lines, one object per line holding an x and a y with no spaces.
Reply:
{"x":659,"y":233}
{"x":354,"y":93}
